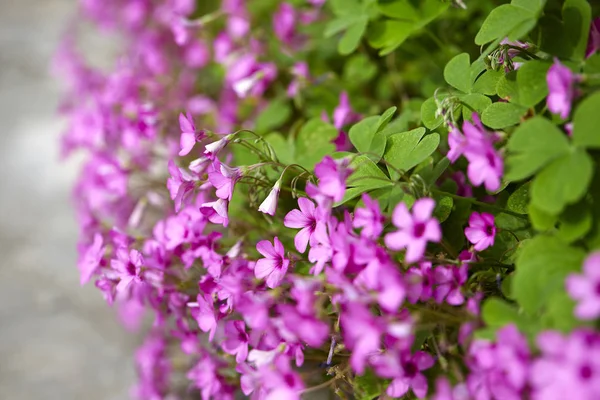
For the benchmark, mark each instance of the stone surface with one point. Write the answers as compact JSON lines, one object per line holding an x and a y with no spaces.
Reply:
{"x":57,"y":339}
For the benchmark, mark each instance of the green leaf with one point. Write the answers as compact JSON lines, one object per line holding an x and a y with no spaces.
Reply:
{"x":428,"y":111}
{"x":389,"y":34}
{"x":314,"y":142}
{"x":367,"y":386}
{"x":341,"y":24}
{"x":345,"y":7}
{"x":531,"y":81}
{"x":435,"y":173}
{"x":358,"y":70}
{"x":559,"y":313}
{"x":592,"y":69}
{"x":352,"y":37}
{"x":501,"y":115}
{"x":391,"y":196}
{"x":400,"y":10}
{"x":541,"y":220}
{"x":487,"y":82}
{"x":497,"y":313}
{"x":443,"y":208}
{"x":385,"y":118}
{"x":575,"y":222}
{"x":507,"y":87}
{"x":366,"y":174}
{"x":457,"y":72}
{"x":476,"y":102}
{"x":586,"y":122}
{"x":519,"y":200}
{"x":283,"y":147}
{"x":542,"y":266}
{"x":577,"y":16}
{"x":501,"y":21}
{"x":564,"y":181}
{"x":533,"y":6}
{"x":273,"y":116}
{"x":532,"y":145}
{"x":407,"y":149}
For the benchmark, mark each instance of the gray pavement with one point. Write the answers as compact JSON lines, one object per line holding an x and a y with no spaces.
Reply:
{"x":57,"y":340}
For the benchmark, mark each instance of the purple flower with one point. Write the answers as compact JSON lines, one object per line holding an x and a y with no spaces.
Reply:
{"x":405,"y":369}
{"x":485,"y":165}
{"x":180,"y":185}
{"x":284,"y":23}
{"x":586,"y":288}
{"x":274,"y":265}
{"x":561,"y":89}
{"x":420,"y":282}
{"x":300,"y":73}
{"x":306,"y":219}
{"x":236,"y":340}
{"x":203,"y":312}
{"x":212,"y":149}
{"x":188,"y":133}
{"x":568,"y":367}
{"x":361,"y":333}
{"x":449,"y":282}
{"x":269,"y":205}
{"x":481,"y":230}
{"x":304,"y":327}
{"x":128,"y":266}
{"x":499,"y":370}
{"x":91,"y":259}
{"x":414,"y":230}
{"x":223,"y":178}
{"x":216,"y":211}
{"x":594,"y":38}
{"x":369,"y":218}
{"x":343,"y":114}
{"x":332,"y":176}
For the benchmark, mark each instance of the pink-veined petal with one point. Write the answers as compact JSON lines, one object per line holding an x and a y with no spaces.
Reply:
{"x":264,"y":267}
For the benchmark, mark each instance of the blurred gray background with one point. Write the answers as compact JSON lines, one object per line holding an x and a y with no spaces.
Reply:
{"x":57,"y":339}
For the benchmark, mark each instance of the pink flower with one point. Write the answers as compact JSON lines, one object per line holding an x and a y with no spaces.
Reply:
{"x":332,"y":176}
{"x":481,"y":230}
{"x":306,"y":219}
{"x":128,"y":266}
{"x":216,"y":211}
{"x":594,"y":38}
{"x":300,"y":73}
{"x":204,"y":313}
{"x":236,"y":340}
{"x":568,"y":367}
{"x":180,"y":185}
{"x":284,"y":23}
{"x":449,"y":282}
{"x":405,"y":371}
{"x":586,"y":288}
{"x":223,"y":178}
{"x":499,"y":370}
{"x":188,"y":133}
{"x":369,"y":218}
{"x":274,"y":265}
{"x":415,"y":230}
{"x":561,"y":89}
{"x":90,"y":260}
{"x":212,"y":149}
{"x":485,"y":165}
{"x":269,"y":205}
{"x":420,"y":282}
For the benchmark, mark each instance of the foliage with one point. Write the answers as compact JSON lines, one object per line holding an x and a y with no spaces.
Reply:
{"x":389,"y":192}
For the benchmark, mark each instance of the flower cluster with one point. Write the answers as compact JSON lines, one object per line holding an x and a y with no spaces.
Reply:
{"x":355,"y":250}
